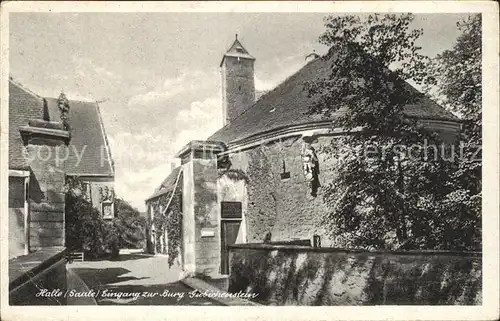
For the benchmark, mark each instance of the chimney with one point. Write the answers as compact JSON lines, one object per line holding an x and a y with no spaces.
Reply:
{"x":238,"y":85}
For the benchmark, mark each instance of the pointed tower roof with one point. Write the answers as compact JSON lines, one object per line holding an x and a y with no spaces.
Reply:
{"x":237,"y":50}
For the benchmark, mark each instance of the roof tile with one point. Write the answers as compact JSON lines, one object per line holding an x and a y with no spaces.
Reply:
{"x":89,"y":150}
{"x":23,"y":106}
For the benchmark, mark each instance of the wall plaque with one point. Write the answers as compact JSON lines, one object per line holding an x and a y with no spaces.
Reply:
{"x":207,"y":233}
{"x":231,"y":210}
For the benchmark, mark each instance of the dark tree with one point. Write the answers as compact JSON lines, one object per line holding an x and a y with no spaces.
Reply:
{"x":85,"y":229}
{"x":454,"y":79}
{"x":130,"y":225}
{"x":390,"y":192}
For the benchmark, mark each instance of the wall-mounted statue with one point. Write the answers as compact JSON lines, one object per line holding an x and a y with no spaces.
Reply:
{"x":107,"y":202}
{"x":107,"y":194}
{"x":63,"y":105}
{"x":311,"y":166}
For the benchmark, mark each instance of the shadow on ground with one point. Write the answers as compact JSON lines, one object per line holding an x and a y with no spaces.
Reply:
{"x":103,"y":282}
{"x":103,"y":277}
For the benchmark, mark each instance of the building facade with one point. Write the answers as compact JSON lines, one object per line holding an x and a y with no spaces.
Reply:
{"x":51,"y":139}
{"x":259,"y":177}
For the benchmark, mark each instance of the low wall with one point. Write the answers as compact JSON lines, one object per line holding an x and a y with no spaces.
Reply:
{"x":291,"y":242}
{"x":301,"y":275}
{"x":38,"y":278}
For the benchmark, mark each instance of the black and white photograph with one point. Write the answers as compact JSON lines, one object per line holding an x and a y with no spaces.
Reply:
{"x":195,"y":156}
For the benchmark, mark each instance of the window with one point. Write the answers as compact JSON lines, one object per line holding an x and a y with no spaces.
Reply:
{"x":285,"y":175}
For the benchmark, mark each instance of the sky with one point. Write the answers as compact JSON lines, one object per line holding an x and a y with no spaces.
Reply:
{"x":156,"y":75}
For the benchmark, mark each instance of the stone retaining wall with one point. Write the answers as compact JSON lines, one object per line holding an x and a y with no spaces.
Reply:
{"x":38,"y":278}
{"x":300,"y":275}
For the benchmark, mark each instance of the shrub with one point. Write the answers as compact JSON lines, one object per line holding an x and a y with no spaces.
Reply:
{"x":86,"y":230}
{"x":130,"y":225}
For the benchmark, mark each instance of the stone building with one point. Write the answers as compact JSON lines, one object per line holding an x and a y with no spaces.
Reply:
{"x":51,"y":139}
{"x":257,"y":178}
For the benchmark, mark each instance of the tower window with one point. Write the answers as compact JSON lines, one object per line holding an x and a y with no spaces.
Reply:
{"x":285,"y":174}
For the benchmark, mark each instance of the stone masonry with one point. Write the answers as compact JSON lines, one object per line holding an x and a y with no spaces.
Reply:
{"x":283,"y":207}
{"x":45,"y":150}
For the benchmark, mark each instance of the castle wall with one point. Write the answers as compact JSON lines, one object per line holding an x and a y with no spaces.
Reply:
{"x":282,"y":206}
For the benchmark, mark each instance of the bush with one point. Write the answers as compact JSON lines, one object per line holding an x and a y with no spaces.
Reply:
{"x":86,"y":230}
{"x":130,"y":225}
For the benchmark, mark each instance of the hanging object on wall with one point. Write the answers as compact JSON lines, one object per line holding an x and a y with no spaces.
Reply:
{"x":316,"y":240}
{"x":107,"y":194}
{"x":107,"y":202}
{"x":311,"y":166}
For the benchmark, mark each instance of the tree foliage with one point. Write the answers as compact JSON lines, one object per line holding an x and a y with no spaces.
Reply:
{"x":131,"y":226}
{"x":454,"y":79}
{"x":392,"y":191}
{"x":85,"y":229}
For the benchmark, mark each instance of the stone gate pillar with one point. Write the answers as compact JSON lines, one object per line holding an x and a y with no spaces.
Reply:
{"x":46,"y":150}
{"x":201,"y":207}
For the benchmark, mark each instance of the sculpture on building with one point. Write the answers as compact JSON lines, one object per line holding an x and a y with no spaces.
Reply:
{"x":63,"y":105}
{"x":311,"y":167}
{"x":107,"y":201}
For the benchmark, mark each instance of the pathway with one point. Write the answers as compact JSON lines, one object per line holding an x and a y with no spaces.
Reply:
{"x":136,"y":279}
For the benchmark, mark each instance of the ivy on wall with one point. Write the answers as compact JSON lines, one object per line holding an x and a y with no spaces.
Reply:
{"x":169,"y":221}
{"x":174,"y":225}
{"x":159,"y":220}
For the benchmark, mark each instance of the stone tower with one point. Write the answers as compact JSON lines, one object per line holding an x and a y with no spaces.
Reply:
{"x":238,"y":86}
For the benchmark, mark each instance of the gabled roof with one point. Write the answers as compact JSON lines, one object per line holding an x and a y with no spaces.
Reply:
{"x":88,"y":138}
{"x":23,"y":106}
{"x":237,"y":50}
{"x":287,"y":105}
{"x":168,"y":184}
